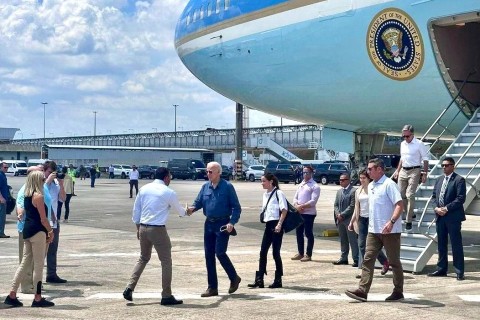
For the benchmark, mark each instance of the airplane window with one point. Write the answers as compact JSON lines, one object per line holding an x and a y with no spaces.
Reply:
{"x":219,"y":4}
{"x":209,"y":9}
{"x":196,"y":13}
{"x":188,"y":20}
{"x":201,"y":13}
{"x":227,"y":4}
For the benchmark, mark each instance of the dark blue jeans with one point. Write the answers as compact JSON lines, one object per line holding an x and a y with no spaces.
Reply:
{"x":362,"y":242}
{"x":92,"y":181}
{"x":306,"y":229}
{"x":274,"y":239}
{"x":216,"y":244}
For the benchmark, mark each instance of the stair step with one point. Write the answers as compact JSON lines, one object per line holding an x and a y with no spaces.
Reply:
{"x":458,"y":155}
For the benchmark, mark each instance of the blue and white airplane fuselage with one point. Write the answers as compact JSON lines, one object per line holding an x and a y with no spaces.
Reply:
{"x":359,"y":65}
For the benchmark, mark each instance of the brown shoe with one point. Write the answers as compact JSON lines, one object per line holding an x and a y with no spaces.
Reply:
{"x":234,"y":285}
{"x":357,"y":294}
{"x":209,"y":293}
{"x":385,"y":268}
{"x":298,"y":256}
{"x":395,"y":296}
{"x":306,"y":258}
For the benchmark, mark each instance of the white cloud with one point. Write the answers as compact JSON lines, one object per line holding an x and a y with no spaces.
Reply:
{"x":115,"y":57}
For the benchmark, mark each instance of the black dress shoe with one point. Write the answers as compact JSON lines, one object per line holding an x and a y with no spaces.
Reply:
{"x":438,"y":273}
{"x":209,"y":293}
{"x":460,"y":277}
{"x":127,"y":294}
{"x":42,"y":303}
{"x":170,"y":301}
{"x":56,"y":279}
{"x":234,"y":285}
{"x":340,"y":262}
{"x":395,"y":296}
{"x":355,"y":264}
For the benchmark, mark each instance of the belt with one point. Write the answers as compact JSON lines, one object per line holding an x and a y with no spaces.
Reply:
{"x":410,"y":168}
{"x":215,"y":219}
{"x":151,"y":225}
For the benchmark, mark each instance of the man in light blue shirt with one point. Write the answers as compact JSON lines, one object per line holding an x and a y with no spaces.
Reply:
{"x":221,"y":207}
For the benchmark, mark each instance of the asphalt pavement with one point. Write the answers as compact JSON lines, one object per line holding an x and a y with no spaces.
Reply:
{"x":98,"y":249}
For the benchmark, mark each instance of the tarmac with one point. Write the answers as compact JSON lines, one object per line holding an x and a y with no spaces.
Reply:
{"x":98,"y":249}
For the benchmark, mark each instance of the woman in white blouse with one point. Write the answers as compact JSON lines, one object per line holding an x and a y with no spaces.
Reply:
{"x":275,"y":207}
{"x":359,"y":221}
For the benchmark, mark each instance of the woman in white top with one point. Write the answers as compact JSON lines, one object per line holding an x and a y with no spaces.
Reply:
{"x":359,"y":221}
{"x":275,"y":208}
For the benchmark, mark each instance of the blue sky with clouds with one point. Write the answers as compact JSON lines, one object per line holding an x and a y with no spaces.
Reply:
{"x":115,"y":57}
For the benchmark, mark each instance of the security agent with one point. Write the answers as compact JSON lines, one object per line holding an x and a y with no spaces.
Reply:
{"x":150,"y":214}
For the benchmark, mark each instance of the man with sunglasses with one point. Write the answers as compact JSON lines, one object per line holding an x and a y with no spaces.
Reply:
{"x":221,"y":207}
{"x":385,"y":207}
{"x":414,"y":156}
{"x":448,"y":197}
{"x":4,"y":193}
{"x":343,"y":210}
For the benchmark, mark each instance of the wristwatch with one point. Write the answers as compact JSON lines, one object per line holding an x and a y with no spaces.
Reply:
{"x":393,"y":221}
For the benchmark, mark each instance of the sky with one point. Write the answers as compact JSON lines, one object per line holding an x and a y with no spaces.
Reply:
{"x":109,"y":60}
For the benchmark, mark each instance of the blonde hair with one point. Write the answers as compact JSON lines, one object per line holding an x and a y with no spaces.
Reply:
{"x":34,"y":183}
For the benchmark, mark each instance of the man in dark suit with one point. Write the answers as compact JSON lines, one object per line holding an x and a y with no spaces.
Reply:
{"x":343,"y":210}
{"x":448,"y":198}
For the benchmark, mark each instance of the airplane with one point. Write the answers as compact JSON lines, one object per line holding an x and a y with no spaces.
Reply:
{"x":366,"y":66}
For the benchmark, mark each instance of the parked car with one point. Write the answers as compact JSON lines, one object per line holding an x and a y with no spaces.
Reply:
{"x":283,"y":171}
{"x":254,"y":172}
{"x":17,"y":167}
{"x":226,"y":173}
{"x":145,"y":171}
{"x":187,"y":169}
{"x":326,"y":173}
{"x":121,"y":170}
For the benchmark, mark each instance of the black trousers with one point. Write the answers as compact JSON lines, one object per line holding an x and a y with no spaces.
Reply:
{"x":133,"y":183}
{"x":452,"y":229}
{"x":274,"y":239}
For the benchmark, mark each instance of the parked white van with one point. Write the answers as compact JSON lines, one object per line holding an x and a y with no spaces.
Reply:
{"x":36,"y":162}
{"x":17,"y":167}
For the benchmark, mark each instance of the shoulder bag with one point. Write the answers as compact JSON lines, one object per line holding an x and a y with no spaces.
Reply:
{"x":293,"y":220}
{"x":262,"y":214}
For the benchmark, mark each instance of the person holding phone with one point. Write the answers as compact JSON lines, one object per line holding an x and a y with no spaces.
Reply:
{"x":275,"y":207}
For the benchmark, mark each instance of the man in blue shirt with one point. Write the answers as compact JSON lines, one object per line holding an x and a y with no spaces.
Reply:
{"x":4,"y":193}
{"x":222,"y":209}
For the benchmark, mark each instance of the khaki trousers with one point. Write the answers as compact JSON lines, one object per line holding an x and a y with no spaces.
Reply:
{"x":154,"y":236}
{"x":408,"y":181}
{"x":26,"y":285}
{"x":33,"y":252}
{"x":375,"y":242}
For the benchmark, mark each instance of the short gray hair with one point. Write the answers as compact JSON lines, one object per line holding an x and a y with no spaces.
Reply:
{"x":408,"y":127}
{"x":216,"y":165}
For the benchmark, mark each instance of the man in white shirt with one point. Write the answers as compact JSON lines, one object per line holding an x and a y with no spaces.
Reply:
{"x":150,"y":214}
{"x":134,"y":175}
{"x":384,"y":230}
{"x":414,"y":156}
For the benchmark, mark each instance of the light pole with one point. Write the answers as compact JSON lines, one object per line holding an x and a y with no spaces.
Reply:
{"x":44,"y":140}
{"x":175,"y":106}
{"x":94,"y":124}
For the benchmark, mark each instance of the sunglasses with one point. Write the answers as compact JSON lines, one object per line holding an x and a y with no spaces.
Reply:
{"x":209,"y":171}
{"x":446,"y":165}
{"x":343,"y":179}
{"x":406,"y":137}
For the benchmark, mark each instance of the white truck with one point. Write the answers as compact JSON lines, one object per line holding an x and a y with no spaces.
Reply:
{"x":121,"y":170}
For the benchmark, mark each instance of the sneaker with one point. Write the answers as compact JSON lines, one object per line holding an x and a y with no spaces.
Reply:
{"x":306,"y":258}
{"x":42,"y":303}
{"x":385,"y":268}
{"x":357,"y":294}
{"x":408,"y":226}
{"x":298,"y":256}
{"x":395,"y":296}
{"x":13,"y":302}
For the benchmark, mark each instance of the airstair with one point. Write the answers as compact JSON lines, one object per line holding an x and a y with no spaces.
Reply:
{"x":273,"y":148}
{"x":418,"y":245}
